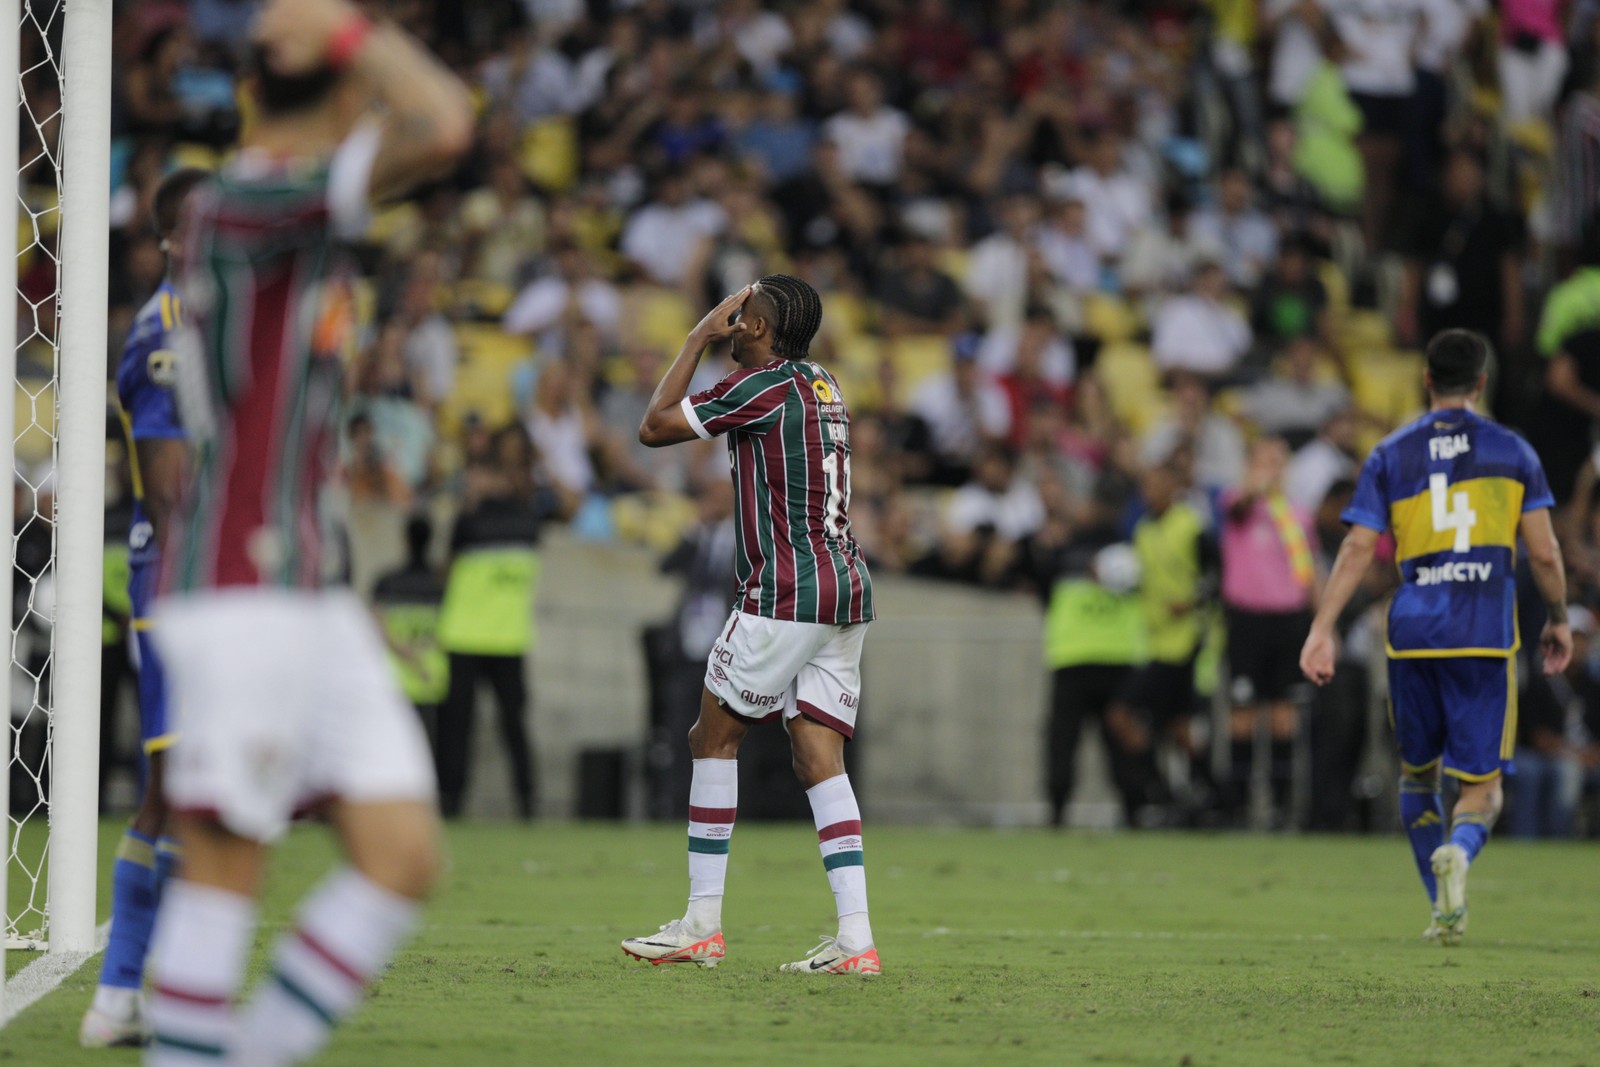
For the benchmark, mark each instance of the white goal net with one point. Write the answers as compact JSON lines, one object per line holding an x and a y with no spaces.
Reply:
{"x":38,"y":210}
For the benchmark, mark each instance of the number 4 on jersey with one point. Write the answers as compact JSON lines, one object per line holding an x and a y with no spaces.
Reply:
{"x":1452,"y":511}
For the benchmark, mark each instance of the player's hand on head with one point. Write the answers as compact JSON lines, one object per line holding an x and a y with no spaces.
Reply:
{"x":715,"y":326}
{"x":1556,"y":643}
{"x":1316,"y":658}
{"x":296,"y":33}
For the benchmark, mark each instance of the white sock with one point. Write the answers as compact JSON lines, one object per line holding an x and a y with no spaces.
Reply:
{"x":833,"y":806}
{"x":713,"y":804}
{"x":117,"y":1002}
{"x":197,"y":958}
{"x":348,"y":929}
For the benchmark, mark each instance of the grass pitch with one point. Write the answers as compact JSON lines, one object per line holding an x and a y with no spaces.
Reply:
{"x":1005,"y":947}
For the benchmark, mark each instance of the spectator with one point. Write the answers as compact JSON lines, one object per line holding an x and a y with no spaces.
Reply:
{"x":998,"y":267}
{"x":964,"y":411}
{"x":1378,"y":40}
{"x":1216,"y":444}
{"x":1118,"y":201}
{"x":430,"y":351}
{"x":503,"y":224}
{"x":563,"y":428}
{"x":1162,"y":259}
{"x":1031,"y":363}
{"x":548,"y":306}
{"x":1577,"y":175}
{"x":663,"y":237}
{"x":917,"y":297}
{"x":1551,"y":731}
{"x":870,"y":134}
{"x":1200,"y":331}
{"x":371,"y":476}
{"x":1269,"y":587}
{"x":1063,"y":243}
{"x":1323,"y":462}
{"x":778,"y":139}
{"x":988,"y":517}
{"x":1291,"y":301}
{"x":1533,"y":59}
{"x":1245,"y":235}
{"x":1463,"y":262}
{"x":1296,"y":402}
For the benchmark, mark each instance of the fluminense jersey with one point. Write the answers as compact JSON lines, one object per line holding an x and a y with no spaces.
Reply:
{"x":789,"y":443}
{"x":269,"y":297}
{"x":1453,"y":487}
{"x":145,"y":379}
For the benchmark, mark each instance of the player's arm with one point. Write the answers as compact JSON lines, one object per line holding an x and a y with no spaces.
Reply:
{"x":1544,"y":559}
{"x":161,"y":465}
{"x":1355,"y":557}
{"x":427,"y":110}
{"x":665,"y":422}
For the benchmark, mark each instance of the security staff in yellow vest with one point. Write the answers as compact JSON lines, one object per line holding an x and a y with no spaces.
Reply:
{"x":1094,"y":636}
{"x":487,"y":629}
{"x":1178,"y":561}
{"x":408,"y":602}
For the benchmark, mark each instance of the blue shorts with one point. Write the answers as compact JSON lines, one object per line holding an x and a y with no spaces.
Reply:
{"x":1462,"y":710}
{"x":155,"y":730}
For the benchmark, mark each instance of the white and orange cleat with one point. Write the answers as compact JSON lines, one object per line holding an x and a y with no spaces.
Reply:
{"x":830,"y":957}
{"x":676,"y":944}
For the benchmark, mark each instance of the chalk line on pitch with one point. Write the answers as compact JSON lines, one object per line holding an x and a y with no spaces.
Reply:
{"x":43,"y":975}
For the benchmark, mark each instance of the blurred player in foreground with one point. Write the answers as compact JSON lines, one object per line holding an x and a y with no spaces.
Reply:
{"x":1458,"y":490}
{"x":792,"y":647}
{"x":145,"y":856}
{"x":284,"y":694}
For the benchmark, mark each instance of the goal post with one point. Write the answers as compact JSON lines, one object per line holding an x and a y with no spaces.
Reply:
{"x":81,"y":473}
{"x":55,"y":63}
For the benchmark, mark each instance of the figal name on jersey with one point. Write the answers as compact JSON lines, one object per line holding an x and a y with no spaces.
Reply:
{"x":1449,"y":446}
{"x":1454,"y":572}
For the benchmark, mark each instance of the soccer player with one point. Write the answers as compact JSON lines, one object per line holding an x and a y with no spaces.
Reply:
{"x":1458,"y":491}
{"x":145,"y":856}
{"x":792,"y":646}
{"x":284,"y":695}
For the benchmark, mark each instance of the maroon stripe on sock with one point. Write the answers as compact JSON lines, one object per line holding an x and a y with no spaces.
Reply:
{"x":848,"y":828}
{"x":329,"y":958}
{"x":204,"y":1000}
{"x":720,"y":816}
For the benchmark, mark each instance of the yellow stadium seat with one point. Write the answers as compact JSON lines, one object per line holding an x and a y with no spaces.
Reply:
{"x":1110,"y":319}
{"x":661,"y":318}
{"x":1132,"y":384}
{"x":483,"y":377}
{"x":915,"y":359}
{"x":549,"y":154}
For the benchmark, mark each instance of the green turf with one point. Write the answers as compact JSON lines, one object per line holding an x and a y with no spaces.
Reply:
{"x":1021,"y":947}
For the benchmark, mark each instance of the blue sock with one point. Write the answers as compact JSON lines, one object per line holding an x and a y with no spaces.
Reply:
{"x":168,"y":853}
{"x":133,"y":911}
{"x":1422,"y":814}
{"x":1471,"y":831}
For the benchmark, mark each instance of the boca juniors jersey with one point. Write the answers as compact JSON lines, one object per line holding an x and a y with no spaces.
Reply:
{"x":789,"y":443}
{"x":1453,"y":487}
{"x":145,"y":378}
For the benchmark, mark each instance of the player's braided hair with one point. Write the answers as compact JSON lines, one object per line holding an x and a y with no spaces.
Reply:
{"x":796,"y":313}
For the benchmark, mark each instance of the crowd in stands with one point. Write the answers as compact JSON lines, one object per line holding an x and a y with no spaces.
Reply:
{"x":1063,"y":247}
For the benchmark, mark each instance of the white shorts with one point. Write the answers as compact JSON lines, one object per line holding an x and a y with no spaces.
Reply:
{"x":762,"y":668}
{"x":285,"y":700}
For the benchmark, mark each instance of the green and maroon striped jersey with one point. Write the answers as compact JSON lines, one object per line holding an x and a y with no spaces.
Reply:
{"x":789,"y":442}
{"x":260,"y":382}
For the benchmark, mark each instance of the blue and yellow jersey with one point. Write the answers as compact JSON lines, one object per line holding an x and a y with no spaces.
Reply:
{"x":145,"y":379}
{"x":1453,"y":487}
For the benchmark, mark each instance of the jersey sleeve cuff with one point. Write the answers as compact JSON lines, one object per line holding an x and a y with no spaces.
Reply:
{"x":695,"y":424}
{"x":1538,"y":502}
{"x":1363,"y":518}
